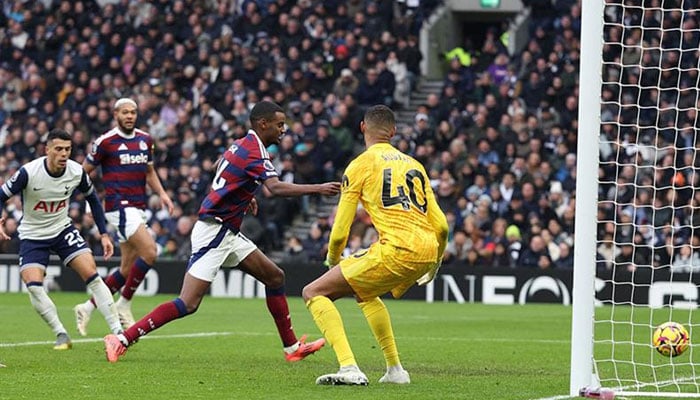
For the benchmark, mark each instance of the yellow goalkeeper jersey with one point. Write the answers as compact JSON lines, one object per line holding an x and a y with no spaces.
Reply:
{"x":395,"y":190}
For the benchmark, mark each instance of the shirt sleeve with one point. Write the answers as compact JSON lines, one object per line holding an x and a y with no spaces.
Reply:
{"x":260,"y":166}
{"x":97,"y":212}
{"x":16,"y":184}
{"x":439,"y":223}
{"x":151,"y":148}
{"x":96,"y":154}
{"x":85,"y":185}
{"x":350,"y":191}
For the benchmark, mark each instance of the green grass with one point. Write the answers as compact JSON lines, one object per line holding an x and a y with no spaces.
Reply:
{"x":230,"y":350}
{"x":452,"y":351}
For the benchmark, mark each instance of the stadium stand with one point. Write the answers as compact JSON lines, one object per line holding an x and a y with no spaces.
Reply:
{"x":498,"y":137}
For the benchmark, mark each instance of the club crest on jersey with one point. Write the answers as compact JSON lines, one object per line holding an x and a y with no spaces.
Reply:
{"x":128,"y":159}
{"x":50,"y":206}
{"x":143,"y":146}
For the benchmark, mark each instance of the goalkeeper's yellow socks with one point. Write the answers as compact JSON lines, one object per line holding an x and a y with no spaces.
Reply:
{"x":379,"y":321}
{"x":328,"y":320}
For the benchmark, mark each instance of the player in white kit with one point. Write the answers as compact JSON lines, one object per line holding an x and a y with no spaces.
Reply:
{"x":46,"y":185}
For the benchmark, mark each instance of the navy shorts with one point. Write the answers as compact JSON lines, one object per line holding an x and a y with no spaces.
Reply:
{"x":67,"y":245}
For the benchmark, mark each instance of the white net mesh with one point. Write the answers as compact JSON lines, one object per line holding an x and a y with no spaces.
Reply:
{"x":648,"y":217}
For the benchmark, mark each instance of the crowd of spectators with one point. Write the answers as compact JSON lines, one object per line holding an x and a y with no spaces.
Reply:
{"x":647,"y":197}
{"x":499,"y":140}
{"x":499,"y":143}
{"x":196,"y":68}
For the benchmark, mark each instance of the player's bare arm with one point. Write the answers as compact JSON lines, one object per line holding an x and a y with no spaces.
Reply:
{"x":279,"y":188}
{"x":153,"y":181}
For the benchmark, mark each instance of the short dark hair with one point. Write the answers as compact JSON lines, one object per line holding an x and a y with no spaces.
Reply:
{"x":380,"y":116}
{"x":58,"y":133}
{"x":264,"y":110}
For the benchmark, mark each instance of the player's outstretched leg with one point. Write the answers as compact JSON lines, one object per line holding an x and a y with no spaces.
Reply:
{"x":116,"y":345}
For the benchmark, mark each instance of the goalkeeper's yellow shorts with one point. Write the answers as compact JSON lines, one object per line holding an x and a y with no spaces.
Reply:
{"x":376,"y":271}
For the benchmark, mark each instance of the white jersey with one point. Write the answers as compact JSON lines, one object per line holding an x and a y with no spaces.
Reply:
{"x":46,"y":198}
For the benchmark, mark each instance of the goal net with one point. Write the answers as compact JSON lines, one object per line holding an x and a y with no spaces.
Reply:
{"x":637,"y":249}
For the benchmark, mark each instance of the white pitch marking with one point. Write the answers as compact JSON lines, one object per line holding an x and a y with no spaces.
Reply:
{"x":176,"y":336}
{"x":209,"y":334}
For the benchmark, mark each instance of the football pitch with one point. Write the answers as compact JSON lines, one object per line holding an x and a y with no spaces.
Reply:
{"x":230,"y":350}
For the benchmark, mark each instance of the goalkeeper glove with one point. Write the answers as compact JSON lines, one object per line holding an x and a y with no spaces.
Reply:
{"x":330,"y":265}
{"x":430,"y":275}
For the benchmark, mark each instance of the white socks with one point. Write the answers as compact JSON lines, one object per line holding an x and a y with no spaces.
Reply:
{"x":89,"y":305}
{"x":291,"y":349}
{"x":122,"y":302}
{"x":105,"y":303}
{"x":45,"y":308}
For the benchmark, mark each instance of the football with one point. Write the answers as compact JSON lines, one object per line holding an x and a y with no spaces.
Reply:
{"x":670,"y":339}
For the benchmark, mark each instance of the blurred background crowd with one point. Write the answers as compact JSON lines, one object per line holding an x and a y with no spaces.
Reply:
{"x":498,"y":140}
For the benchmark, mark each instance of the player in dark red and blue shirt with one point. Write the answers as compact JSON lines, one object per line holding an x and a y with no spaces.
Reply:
{"x":217,"y":241}
{"x":240,"y":172}
{"x":125,"y":155}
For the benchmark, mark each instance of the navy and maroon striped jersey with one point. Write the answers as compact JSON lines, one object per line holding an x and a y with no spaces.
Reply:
{"x":241,"y":170}
{"x":124,"y":160}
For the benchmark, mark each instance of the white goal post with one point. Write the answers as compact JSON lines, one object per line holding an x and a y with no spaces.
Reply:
{"x":586,"y":198}
{"x":637,"y":228}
